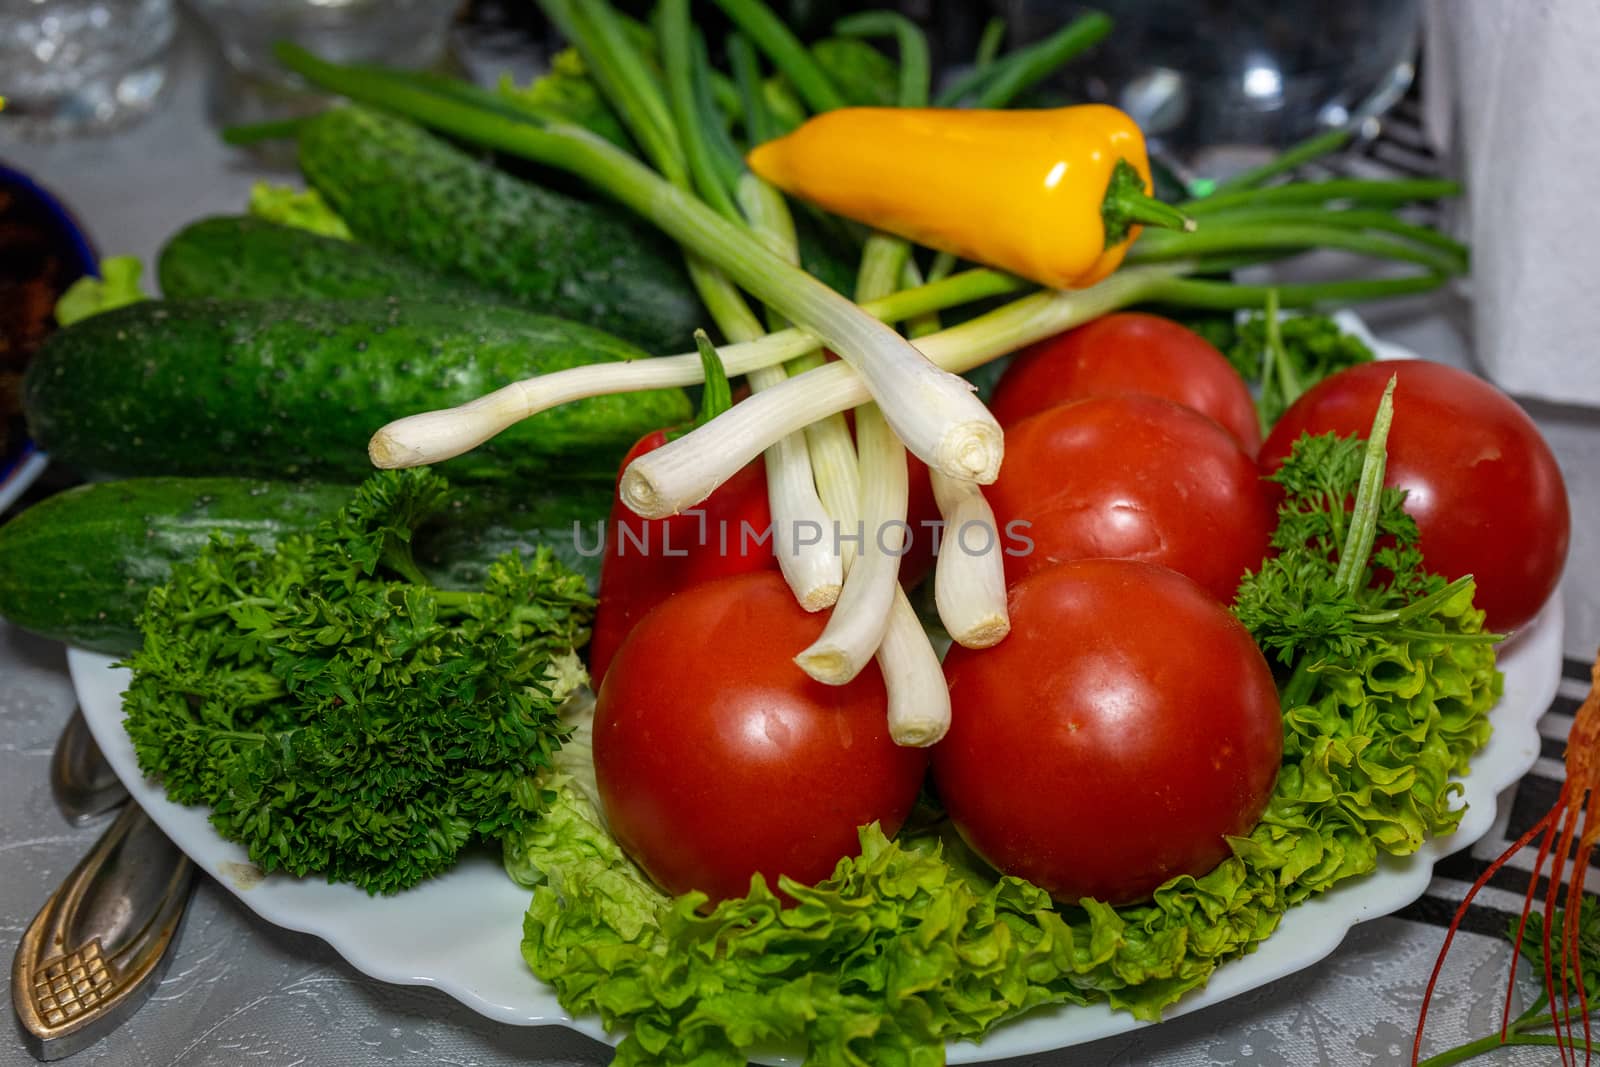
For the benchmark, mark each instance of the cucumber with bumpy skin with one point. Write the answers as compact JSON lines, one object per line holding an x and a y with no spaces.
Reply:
{"x":247,"y":258}
{"x":76,"y":566}
{"x":295,"y":390}
{"x":400,"y":187}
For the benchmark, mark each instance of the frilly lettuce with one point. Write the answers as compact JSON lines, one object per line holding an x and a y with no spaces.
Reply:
{"x":117,"y":286}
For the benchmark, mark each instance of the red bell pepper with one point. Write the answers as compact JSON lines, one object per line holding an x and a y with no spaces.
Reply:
{"x":648,"y":560}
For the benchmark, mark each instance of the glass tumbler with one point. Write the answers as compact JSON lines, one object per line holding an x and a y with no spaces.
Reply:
{"x":73,"y":65}
{"x":1220,"y":85}
{"x":397,"y":33}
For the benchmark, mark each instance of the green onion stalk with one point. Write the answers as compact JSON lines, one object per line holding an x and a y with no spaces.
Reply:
{"x":669,"y":126}
{"x":1236,"y":226}
{"x":873,"y":617}
{"x":833,"y":453}
{"x":918,"y":700}
{"x":868,"y":490}
{"x":932,"y":411}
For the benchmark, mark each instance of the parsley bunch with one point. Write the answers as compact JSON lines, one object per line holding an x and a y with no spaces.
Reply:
{"x":339,"y":715}
{"x":1348,"y":572}
{"x":1284,"y":357}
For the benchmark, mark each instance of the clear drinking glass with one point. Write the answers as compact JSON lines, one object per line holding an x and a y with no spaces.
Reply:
{"x":70,"y":65}
{"x":1220,"y":84}
{"x":399,"y":33}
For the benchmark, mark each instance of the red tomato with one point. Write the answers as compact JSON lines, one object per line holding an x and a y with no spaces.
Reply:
{"x":1480,"y":480}
{"x":1107,"y":745}
{"x":1131,"y":477}
{"x":922,"y":513}
{"x":1128,"y":352}
{"x":647,"y":560}
{"x":718,"y":758}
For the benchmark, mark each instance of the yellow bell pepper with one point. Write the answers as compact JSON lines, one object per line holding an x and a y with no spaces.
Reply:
{"x":1054,"y":195}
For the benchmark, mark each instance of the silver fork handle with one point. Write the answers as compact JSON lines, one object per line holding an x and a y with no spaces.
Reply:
{"x":100,"y":944}
{"x":82,"y":781}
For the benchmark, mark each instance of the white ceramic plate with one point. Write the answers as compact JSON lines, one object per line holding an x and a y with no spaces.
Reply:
{"x":462,"y":932}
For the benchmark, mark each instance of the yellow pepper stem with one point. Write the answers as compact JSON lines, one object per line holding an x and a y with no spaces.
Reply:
{"x":1126,"y":204}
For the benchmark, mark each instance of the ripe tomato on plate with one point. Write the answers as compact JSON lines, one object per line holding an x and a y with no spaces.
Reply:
{"x":1481,"y":482}
{"x":648,"y":560}
{"x":1126,"y":724}
{"x":718,"y":758}
{"x":1128,"y":352}
{"x":1131,"y":477}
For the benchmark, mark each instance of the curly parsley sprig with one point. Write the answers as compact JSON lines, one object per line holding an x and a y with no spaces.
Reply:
{"x":1283,"y":356}
{"x":339,"y":715}
{"x":1330,"y":592}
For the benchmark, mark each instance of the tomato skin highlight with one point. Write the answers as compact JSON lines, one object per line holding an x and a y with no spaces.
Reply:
{"x":1481,"y":481}
{"x":1126,"y":724}
{"x":1132,"y":477}
{"x":1128,"y":352}
{"x":718,"y":758}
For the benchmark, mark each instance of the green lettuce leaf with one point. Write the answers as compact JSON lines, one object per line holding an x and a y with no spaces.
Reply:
{"x":117,"y":286}
{"x":566,"y":92}
{"x":304,"y":209}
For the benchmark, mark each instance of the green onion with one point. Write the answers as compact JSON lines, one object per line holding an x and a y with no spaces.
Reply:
{"x":1364,"y":515}
{"x":1313,"y":148}
{"x":1353,"y":190}
{"x":787,"y":53}
{"x":1158,"y":246}
{"x":915,"y":68}
{"x":812,"y":569}
{"x":857,"y":625}
{"x":435,"y":436}
{"x":1015,"y":75}
{"x":932,"y":411}
{"x":919,"y":702}
{"x":969,"y":584}
{"x":859,"y":621}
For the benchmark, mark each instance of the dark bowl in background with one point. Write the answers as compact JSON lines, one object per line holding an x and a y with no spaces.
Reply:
{"x":43,"y":250}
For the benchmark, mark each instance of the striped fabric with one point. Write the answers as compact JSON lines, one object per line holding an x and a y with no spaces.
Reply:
{"x":1521,"y":806}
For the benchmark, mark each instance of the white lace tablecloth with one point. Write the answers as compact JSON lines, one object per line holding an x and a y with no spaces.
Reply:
{"x":243,"y":992}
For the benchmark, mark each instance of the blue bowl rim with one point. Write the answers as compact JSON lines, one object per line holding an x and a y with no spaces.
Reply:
{"x":65,"y":221}
{"x":84,"y":258}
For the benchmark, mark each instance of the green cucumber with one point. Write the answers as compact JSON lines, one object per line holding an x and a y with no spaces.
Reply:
{"x":400,"y":187}
{"x":77,"y":565}
{"x":247,"y":258}
{"x":295,"y":390}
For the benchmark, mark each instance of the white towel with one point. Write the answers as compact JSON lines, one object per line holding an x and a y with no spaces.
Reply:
{"x":1512,"y":97}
